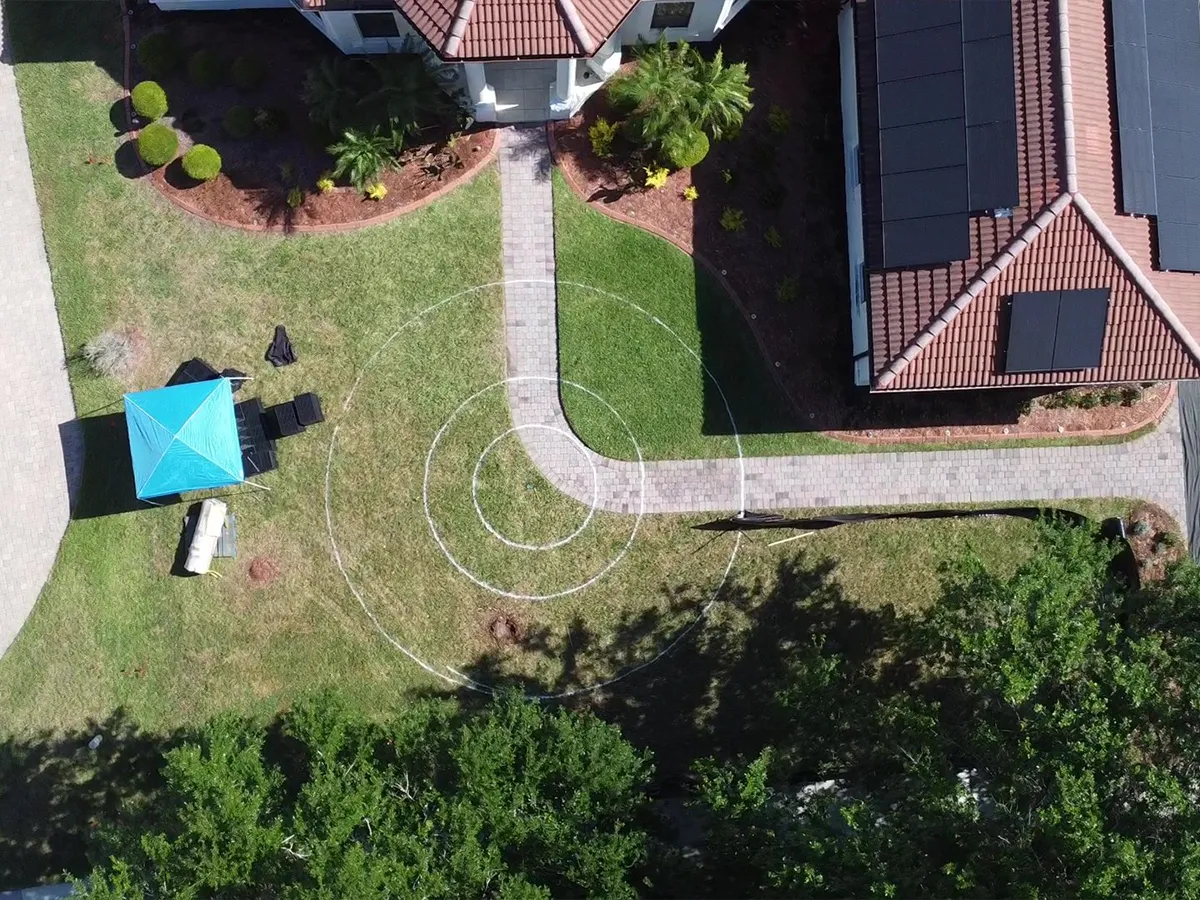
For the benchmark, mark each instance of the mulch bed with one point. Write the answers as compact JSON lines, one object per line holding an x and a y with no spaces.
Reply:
{"x":258,"y":172}
{"x":1154,"y":537}
{"x":791,"y":179}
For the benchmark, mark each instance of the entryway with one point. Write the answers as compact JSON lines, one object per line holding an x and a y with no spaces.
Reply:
{"x":523,"y":89}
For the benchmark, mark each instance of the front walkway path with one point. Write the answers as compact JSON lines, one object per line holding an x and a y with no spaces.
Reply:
{"x":35,"y":398}
{"x":1150,"y":468}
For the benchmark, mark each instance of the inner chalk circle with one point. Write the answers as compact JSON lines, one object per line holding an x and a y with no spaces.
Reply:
{"x":579,"y":448}
{"x":487,"y":585}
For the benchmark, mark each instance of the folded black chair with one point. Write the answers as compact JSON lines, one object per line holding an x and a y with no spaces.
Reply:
{"x":281,"y":421}
{"x":259,"y":452}
{"x":308,"y":409}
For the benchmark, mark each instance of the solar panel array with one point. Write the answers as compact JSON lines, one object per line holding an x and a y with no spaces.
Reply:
{"x":1156,"y":49}
{"x":1056,"y":331}
{"x":943,"y":83}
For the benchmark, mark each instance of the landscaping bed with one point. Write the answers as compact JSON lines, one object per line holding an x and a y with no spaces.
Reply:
{"x":768,"y":217}
{"x":269,"y":178}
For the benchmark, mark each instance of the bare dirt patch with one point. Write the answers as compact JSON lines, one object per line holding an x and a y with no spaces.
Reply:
{"x":504,"y":630}
{"x":263,"y":570}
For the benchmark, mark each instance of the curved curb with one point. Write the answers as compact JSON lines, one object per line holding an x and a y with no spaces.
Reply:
{"x":843,"y":436}
{"x":252,"y":228}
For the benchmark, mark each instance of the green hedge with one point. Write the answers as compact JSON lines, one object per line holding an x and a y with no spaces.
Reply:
{"x":687,"y":150}
{"x":202,"y":163}
{"x":157,"y":144}
{"x":149,"y":100}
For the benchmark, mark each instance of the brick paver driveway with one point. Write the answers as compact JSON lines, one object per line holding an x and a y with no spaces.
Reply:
{"x":35,"y":399}
{"x":1150,"y":468}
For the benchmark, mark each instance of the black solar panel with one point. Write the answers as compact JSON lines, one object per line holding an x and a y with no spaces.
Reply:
{"x":944,"y":103}
{"x":1079,"y":341}
{"x":1056,"y":331}
{"x":1032,"y":323}
{"x":990,"y":104}
{"x":1156,"y":49}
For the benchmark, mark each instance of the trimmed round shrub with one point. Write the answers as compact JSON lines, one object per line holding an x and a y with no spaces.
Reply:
{"x":149,"y":100}
{"x":687,"y":150}
{"x":159,"y":53}
{"x":206,"y":68}
{"x":157,"y":144}
{"x":247,"y":72}
{"x":238,"y":122}
{"x":202,"y":163}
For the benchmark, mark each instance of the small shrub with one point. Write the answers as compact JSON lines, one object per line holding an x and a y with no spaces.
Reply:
{"x":271,"y":120}
{"x":238,"y":122}
{"x":287,"y":171}
{"x":112,"y":354}
{"x":202,"y":163}
{"x":360,"y":156}
{"x":377,"y":191}
{"x":295,"y":198}
{"x":690,"y":193}
{"x":1170,"y":538}
{"x":656,"y":176}
{"x":727,"y":175}
{"x":686,"y":149}
{"x":149,"y":100}
{"x":788,"y":289}
{"x":773,"y":238}
{"x":325,"y":183}
{"x":1089,"y":400}
{"x":602,"y":134}
{"x":779,"y":120}
{"x":1141,"y":528}
{"x":157,"y":144}
{"x":247,"y":72}
{"x":206,"y":68}
{"x":1130,"y":395}
{"x":159,"y":54}
{"x":733,"y":219}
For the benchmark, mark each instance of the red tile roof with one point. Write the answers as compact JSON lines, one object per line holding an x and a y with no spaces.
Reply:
{"x":940,"y":327}
{"x":511,"y":29}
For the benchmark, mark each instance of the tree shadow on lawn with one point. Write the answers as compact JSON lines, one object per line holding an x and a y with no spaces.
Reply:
{"x":37,"y":32}
{"x":716,"y":691}
{"x":55,"y":791}
{"x":788,"y":180}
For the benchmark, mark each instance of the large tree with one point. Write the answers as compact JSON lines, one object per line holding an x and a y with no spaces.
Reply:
{"x":1032,"y":736}
{"x":512,"y":802}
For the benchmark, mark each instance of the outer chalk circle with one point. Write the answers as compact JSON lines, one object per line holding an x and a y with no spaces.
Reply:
{"x":495,"y":532}
{"x":467,"y":572}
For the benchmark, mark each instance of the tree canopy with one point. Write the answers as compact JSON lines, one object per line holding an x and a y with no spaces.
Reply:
{"x":1029,"y":736}
{"x":515,"y":802}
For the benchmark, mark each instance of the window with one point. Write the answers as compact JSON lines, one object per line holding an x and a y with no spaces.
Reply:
{"x":377,"y":25}
{"x":671,"y":15}
{"x":858,"y":289}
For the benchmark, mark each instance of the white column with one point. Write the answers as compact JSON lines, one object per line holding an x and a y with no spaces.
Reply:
{"x":482,"y":95}
{"x":564,"y":82}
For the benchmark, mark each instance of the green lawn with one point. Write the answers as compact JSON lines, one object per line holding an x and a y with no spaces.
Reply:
{"x":114,"y":630}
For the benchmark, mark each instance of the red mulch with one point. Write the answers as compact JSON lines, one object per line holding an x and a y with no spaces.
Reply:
{"x":792,"y":180}
{"x":1158,"y":545}
{"x":259,"y":171}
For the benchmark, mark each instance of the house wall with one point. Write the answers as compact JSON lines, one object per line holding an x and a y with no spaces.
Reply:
{"x":859,"y":317}
{"x":201,"y":5}
{"x":708,"y":17}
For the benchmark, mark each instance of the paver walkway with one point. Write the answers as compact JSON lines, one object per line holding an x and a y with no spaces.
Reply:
{"x":1150,"y":468}
{"x":35,"y":399}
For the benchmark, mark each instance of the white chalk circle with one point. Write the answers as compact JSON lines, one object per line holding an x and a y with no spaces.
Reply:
{"x":466,"y":571}
{"x":577,"y":446}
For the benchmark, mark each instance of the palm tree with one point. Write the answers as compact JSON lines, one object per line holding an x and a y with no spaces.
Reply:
{"x":332,"y":91}
{"x":721,"y":95}
{"x":360,"y":156}
{"x":406,"y":94}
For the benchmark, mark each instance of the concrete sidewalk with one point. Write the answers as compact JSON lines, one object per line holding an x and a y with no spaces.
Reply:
{"x":35,"y":398}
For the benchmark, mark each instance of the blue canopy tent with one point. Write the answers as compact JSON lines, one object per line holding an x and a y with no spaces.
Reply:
{"x":183,"y":438}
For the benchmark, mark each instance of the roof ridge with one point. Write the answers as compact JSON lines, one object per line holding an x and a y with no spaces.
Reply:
{"x":458,"y":27}
{"x":1067,"y":96}
{"x":575,"y":24}
{"x":990,"y":273}
{"x":1134,"y":271}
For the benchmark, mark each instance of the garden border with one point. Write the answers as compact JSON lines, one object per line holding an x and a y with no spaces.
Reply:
{"x":330,"y":228}
{"x":847,"y":437}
